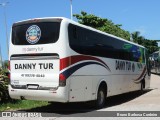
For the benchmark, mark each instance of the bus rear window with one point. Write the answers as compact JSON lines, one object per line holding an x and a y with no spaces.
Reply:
{"x":35,"y":33}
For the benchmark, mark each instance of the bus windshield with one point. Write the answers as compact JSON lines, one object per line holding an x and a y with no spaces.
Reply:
{"x":35,"y":33}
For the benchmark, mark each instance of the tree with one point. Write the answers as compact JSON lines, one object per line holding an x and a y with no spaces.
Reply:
{"x":108,"y":26}
{"x":4,"y":81}
{"x":102,"y":24}
{"x":151,"y":45}
{"x":137,"y":38}
{"x":5,"y":63}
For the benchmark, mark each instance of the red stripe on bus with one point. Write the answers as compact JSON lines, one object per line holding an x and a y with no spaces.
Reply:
{"x":65,"y":62}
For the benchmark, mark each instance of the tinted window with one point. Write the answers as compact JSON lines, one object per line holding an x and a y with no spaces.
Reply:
{"x":89,"y":42}
{"x":46,"y":32}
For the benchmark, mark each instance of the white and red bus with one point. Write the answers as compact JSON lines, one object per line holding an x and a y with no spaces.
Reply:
{"x":59,"y":60}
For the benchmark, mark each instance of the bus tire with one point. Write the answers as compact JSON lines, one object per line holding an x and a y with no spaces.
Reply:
{"x":142,"y":86}
{"x":101,"y":97}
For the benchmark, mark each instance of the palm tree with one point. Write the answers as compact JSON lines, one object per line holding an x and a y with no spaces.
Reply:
{"x":137,"y":38}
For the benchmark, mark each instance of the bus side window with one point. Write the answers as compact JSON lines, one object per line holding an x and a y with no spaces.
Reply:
{"x":74,"y":32}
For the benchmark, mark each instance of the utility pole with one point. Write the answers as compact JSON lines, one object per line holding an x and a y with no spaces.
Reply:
{"x":5,"y":23}
{"x":1,"y":61}
{"x":71,"y":10}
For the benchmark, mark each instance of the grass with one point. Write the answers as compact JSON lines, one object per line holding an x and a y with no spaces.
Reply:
{"x":22,"y":104}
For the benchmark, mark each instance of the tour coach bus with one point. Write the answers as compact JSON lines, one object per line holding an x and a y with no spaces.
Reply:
{"x":59,"y":60}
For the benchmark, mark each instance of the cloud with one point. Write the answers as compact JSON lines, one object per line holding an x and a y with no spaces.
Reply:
{"x":142,"y":30}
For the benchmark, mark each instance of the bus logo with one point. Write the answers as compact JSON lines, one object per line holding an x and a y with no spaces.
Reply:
{"x":33,"y":34}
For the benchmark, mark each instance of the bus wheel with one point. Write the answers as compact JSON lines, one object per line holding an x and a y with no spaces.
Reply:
{"x":142,"y":86}
{"x":101,"y":98}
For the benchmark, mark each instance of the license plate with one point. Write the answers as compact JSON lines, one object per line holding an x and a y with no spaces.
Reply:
{"x":35,"y":87}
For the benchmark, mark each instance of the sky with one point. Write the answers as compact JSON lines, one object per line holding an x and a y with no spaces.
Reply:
{"x":134,"y":15}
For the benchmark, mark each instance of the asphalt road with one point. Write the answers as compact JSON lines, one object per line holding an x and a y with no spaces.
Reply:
{"x":135,"y":101}
{"x":149,"y":101}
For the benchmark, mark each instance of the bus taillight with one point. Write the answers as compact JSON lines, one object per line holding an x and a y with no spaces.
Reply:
{"x":9,"y":65}
{"x":64,"y":63}
{"x":9,"y":68}
{"x":62,"y":80}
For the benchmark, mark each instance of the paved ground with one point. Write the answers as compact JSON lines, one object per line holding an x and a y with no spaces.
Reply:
{"x":149,"y":101}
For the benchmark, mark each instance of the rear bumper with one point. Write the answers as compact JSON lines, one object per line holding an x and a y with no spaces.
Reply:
{"x":59,"y":95}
